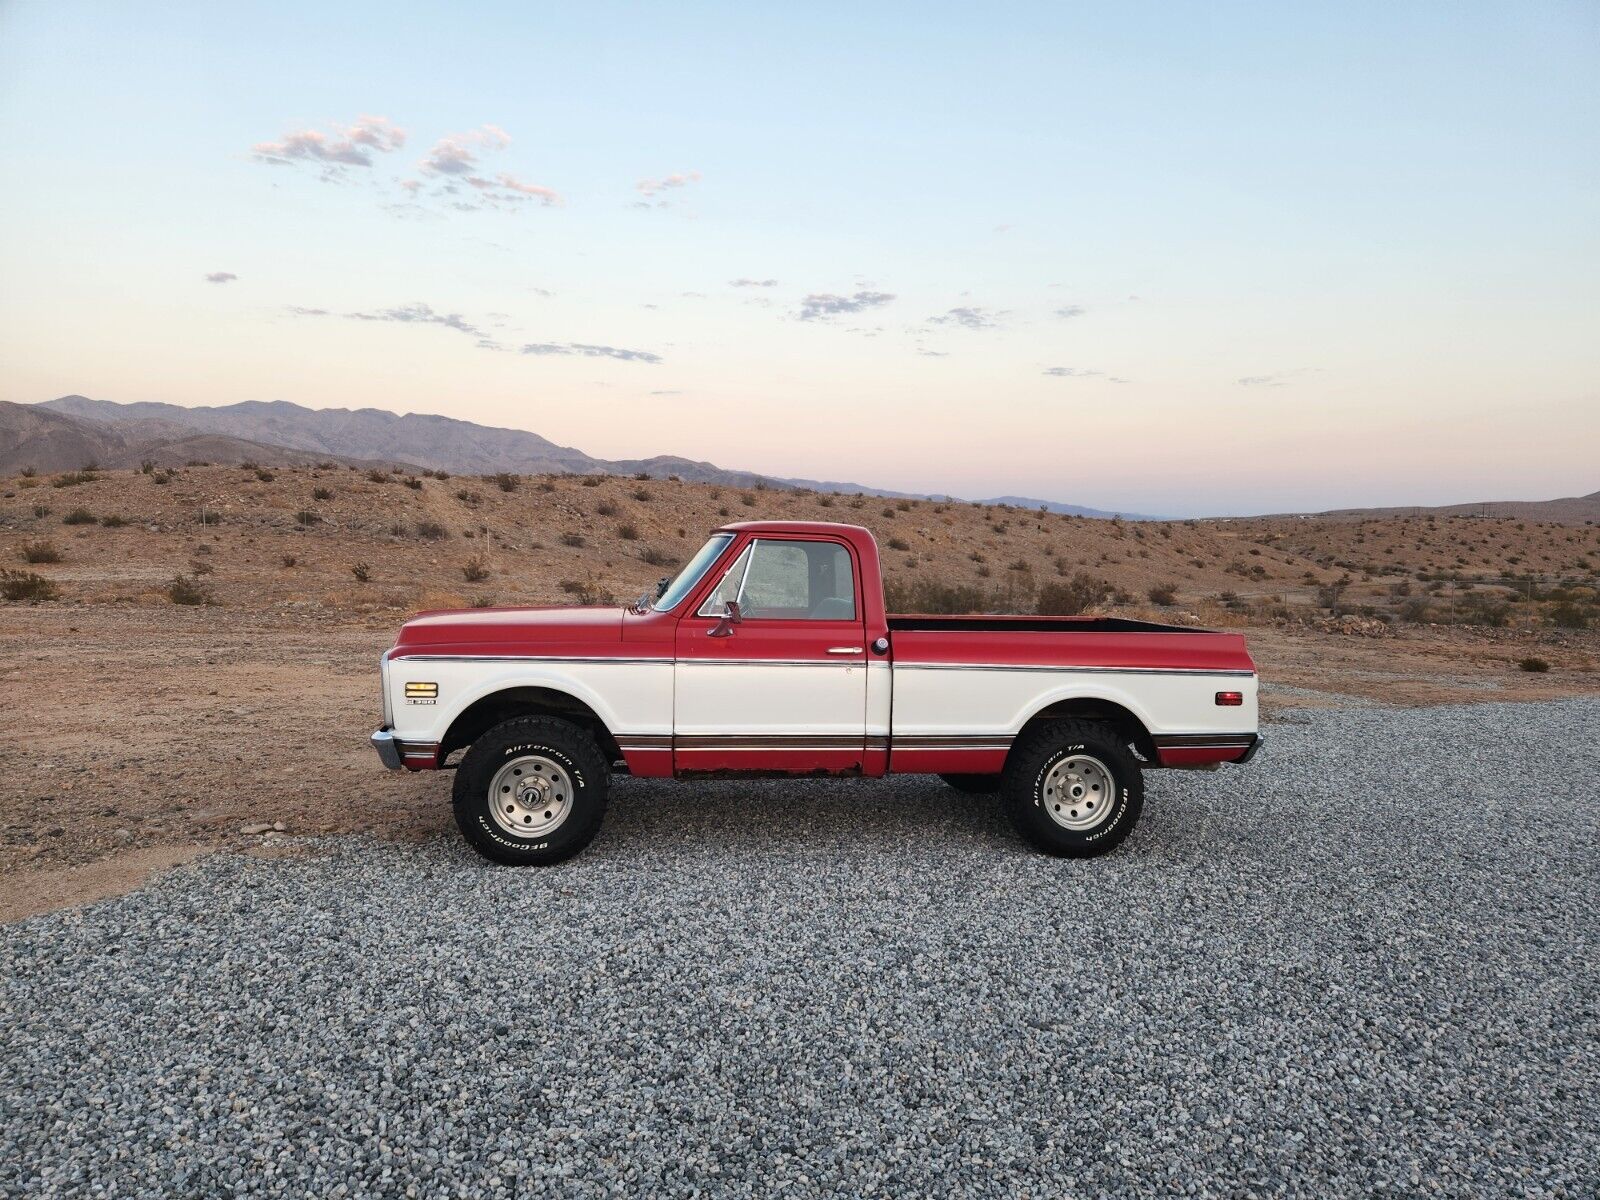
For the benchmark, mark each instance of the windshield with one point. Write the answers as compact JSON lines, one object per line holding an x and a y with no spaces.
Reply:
{"x":690,"y":575}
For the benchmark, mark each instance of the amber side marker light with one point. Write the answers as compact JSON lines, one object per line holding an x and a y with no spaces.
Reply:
{"x":1230,"y":699}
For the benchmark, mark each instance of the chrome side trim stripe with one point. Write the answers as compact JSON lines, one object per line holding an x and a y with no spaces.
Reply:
{"x":1071,"y":670}
{"x":553,"y":658}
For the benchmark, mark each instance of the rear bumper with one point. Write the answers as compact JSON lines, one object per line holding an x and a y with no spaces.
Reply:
{"x":1255,"y":749}
{"x":410,"y":756}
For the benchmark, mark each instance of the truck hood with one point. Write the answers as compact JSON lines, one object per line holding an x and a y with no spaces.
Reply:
{"x":510,"y":630}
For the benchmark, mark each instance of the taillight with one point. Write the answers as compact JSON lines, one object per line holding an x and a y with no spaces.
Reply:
{"x":1230,"y":699}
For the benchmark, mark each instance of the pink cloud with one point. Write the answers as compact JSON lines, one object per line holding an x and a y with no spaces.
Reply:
{"x":350,"y":145}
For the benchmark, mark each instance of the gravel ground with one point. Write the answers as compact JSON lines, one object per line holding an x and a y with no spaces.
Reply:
{"x":1364,"y":965}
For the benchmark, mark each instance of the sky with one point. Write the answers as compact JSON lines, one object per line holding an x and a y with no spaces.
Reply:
{"x":1170,"y":258}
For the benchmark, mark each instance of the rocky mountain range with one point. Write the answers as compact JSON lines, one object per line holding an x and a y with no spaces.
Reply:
{"x":66,"y":433}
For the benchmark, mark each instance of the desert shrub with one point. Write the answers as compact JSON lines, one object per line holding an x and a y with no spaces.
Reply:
{"x":1533,"y":665}
{"x":41,"y":510}
{"x":572,"y":586}
{"x":414,"y":483}
{"x":377,"y":476}
{"x":507,"y":482}
{"x":250,"y":464}
{"x":73,"y":479}
{"x":546,"y":485}
{"x":306,"y":518}
{"x":400,"y":529}
{"x":362,"y":571}
{"x":290,"y":560}
{"x":642,"y":495}
{"x":162,"y":478}
{"x":1570,"y":616}
{"x":264,"y":476}
{"x":147,"y":467}
{"x":903,"y":505}
{"x":982,"y":571}
{"x":574,"y":540}
{"x":606,"y":508}
{"x":27,"y":587}
{"x":431,"y":531}
{"x":483,"y":602}
{"x":748,"y":500}
{"x":899,"y":543}
{"x":1163,"y":594}
{"x":628,"y":533}
{"x":592,"y":480}
{"x":475,"y":569}
{"x":641,"y":475}
{"x":1072,"y":597}
{"x":185,"y":589}
{"x":920,"y":595}
{"x":113,"y":521}
{"x":199,"y":566}
{"x":1416,"y":610}
{"x":321,"y":493}
{"x":470,"y":499}
{"x":590,"y":592}
{"x":657,"y":557}
{"x":79,"y":516}
{"x":29,"y":472}
{"x":40,"y":552}
{"x":208,"y":516}
{"x":824,"y":501}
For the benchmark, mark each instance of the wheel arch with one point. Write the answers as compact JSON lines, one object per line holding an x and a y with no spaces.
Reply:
{"x":507,"y":703}
{"x":1127,"y":723}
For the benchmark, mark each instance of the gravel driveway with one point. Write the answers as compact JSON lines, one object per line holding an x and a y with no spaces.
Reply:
{"x":1367,"y":963}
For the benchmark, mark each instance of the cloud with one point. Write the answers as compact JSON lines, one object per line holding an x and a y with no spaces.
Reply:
{"x":221,"y":277}
{"x":822,"y":305}
{"x":587,"y":351}
{"x":1070,"y":311}
{"x":651,"y":188}
{"x":934,"y":353}
{"x":419,"y":314}
{"x":423,"y":314}
{"x":457,"y":153}
{"x":345,"y":146}
{"x":1276,"y":379}
{"x":1072,"y":373}
{"x":749,"y":283}
{"x":967,"y":318}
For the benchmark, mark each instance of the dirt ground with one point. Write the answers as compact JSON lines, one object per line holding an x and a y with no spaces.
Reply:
{"x":148,"y":735}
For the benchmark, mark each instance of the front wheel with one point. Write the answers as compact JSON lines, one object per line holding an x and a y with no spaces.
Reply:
{"x":531,"y":791}
{"x":1073,"y":789}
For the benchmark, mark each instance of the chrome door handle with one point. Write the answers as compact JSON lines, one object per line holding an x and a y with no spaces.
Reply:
{"x":844,"y":649}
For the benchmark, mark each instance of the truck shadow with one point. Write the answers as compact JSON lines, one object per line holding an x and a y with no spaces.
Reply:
{"x":816,"y":814}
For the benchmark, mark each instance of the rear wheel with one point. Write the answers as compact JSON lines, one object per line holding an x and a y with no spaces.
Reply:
{"x":976,"y":785}
{"x":1073,"y":789}
{"x":531,"y":791}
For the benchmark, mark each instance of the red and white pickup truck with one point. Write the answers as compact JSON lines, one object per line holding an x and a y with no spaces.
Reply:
{"x":770,"y":653}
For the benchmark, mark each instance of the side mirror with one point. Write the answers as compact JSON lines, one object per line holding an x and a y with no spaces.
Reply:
{"x":661,"y":586}
{"x":730,"y":617}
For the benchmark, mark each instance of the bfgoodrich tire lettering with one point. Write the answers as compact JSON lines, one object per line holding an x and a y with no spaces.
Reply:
{"x":574,"y":758}
{"x":1092,"y":761}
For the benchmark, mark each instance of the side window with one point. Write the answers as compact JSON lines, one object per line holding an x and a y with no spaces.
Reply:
{"x":799,"y":581}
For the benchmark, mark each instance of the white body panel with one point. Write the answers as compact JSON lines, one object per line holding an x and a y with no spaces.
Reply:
{"x":777,"y":698}
{"x":996,"y":701}
{"x":628,"y":695}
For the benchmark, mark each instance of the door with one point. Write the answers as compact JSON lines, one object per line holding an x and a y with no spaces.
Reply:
{"x":783,"y":687}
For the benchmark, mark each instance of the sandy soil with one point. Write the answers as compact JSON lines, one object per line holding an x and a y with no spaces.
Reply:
{"x":151,"y":731}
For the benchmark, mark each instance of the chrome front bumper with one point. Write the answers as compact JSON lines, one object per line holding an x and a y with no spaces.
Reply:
{"x":388,"y":749}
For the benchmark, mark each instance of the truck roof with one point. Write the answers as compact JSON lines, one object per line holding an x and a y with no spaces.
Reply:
{"x":834,"y":527}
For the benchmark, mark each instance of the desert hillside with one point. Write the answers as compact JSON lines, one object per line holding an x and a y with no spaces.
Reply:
{"x":348,"y":539}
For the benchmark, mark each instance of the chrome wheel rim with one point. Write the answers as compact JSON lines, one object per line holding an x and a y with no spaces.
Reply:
{"x":1078,"y":792}
{"x":530,"y":796}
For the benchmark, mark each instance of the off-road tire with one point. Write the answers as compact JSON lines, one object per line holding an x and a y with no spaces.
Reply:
{"x":1028,"y":772}
{"x":561,"y":743}
{"x":974,"y":785}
